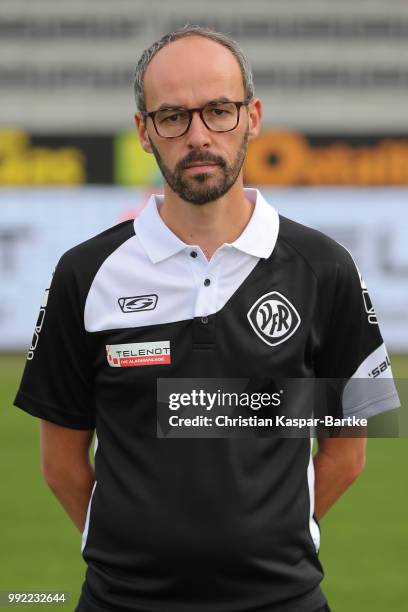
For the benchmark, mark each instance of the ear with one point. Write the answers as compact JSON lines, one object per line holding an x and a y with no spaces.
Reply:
{"x":142,"y":131}
{"x":254,"y":116}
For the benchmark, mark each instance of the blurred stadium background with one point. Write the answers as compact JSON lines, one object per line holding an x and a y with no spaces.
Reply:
{"x":333,"y":154}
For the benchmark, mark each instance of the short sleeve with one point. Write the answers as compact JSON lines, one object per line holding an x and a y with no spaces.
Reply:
{"x":353,"y":349}
{"x":57,"y":383}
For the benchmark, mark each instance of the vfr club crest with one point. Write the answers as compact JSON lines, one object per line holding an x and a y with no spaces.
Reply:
{"x":273,"y":318}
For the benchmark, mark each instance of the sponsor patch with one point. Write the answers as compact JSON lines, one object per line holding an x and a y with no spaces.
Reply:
{"x":40,"y":321}
{"x":382,"y":367}
{"x":138,"y":354}
{"x":138,"y":303}
{"x":369,"y":308}
{"x":273,"y":318}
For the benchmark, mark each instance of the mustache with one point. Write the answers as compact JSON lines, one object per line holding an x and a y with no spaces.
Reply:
{"x":196,"y":156}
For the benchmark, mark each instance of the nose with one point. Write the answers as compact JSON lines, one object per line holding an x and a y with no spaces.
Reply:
{"x":198,"y":134}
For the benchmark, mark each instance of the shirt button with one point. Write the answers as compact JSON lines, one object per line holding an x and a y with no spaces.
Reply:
{"x":207,"y":282}
{"x":193,"y":253}
{"x":204,"y":320}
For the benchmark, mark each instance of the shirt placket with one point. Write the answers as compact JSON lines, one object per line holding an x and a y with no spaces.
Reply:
{"x":205,"y":275}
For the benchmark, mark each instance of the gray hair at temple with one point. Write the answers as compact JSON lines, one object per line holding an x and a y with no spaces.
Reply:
{"x":191,"y":30}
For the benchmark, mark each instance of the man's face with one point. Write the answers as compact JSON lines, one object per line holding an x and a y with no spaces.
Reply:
{"x":200,"y":184}
{"x":202,"y":165}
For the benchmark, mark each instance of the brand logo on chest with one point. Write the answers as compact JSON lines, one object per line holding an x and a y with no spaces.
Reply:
{"x":273,"y":318}
{"x":138,"y":303}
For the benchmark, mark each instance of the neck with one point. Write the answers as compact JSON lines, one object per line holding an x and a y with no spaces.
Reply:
{"x":207,"y":225}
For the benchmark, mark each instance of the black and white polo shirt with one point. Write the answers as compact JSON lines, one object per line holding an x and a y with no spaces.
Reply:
{"x":199,"y":524}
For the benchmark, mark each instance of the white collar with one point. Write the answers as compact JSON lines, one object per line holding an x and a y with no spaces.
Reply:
{"x":258,"y":237}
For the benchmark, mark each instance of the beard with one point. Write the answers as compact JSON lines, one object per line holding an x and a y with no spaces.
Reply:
{"x":197,"y":189}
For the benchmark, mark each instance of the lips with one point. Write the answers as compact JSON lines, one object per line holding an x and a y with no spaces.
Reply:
{"x":201,"y":164}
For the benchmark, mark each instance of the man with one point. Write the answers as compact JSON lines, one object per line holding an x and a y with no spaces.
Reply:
{"x":208,"y":282}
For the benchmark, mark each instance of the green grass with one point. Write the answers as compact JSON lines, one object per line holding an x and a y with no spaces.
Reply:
{"x":39,"y":546}
{"x":364,"y":537}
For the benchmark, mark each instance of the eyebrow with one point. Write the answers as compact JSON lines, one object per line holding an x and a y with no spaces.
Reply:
{"x":171,"y":106}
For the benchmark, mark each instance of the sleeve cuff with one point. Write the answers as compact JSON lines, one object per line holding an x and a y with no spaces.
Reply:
{"x":43,"y":410}
{"x":375,"y":406}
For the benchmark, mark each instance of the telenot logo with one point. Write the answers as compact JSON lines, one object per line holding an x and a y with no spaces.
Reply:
{"x":273,"y":318}
{"x":138,"y":303}
{"x":138,"y":354}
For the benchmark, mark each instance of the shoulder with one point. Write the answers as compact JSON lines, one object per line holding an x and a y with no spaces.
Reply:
{"x":318,"y":250}
{"x":78,"y":266}
{"x":100,"y":246}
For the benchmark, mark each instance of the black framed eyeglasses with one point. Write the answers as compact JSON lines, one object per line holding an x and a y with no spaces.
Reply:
{"x":173,"y":122}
